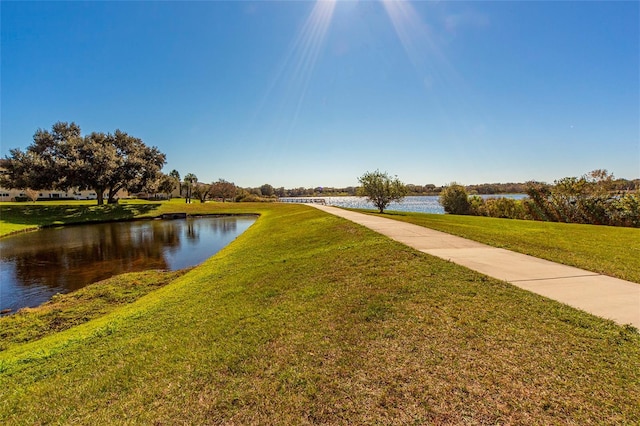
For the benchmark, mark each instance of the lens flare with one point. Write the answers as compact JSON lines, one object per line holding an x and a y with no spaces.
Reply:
{"x":292,"y":79}
{"x":418,"y":42}
{"x":287,"y":91}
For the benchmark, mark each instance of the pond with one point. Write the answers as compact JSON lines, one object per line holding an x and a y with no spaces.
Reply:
{"x":37,"y":265}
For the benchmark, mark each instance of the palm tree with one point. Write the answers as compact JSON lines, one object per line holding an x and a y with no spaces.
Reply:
{"x":189,"y":180}
{"x":176,"y":176}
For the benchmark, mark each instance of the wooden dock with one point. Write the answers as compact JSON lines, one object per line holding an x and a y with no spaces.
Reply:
{"x":174,"y":216}
{"x":303,"y":200}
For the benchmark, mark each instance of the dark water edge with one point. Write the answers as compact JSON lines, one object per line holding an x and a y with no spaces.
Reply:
{"x":35,"y":266}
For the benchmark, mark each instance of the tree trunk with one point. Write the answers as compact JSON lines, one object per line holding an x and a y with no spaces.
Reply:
{"x":100,"y":196}
{"x":113,"y":193}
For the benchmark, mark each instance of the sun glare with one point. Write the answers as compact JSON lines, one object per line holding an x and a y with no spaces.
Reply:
{"x":291,"y":81}
{"x":294,"y":74}
{"x":417,"y":41}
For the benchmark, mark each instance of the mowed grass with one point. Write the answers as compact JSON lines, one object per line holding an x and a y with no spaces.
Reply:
{"x":608,"y":250}
{"x":20,"y":217}
{"x":67,"y":310}
{"x":26,"y":216}
{"x":308,"y":318}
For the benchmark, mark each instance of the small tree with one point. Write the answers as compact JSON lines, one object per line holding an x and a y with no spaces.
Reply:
{"x":202,"y":191}
{"x":223,"y":190}
{"x":381,"y":189}
{"x":166,"y":185}
{"x":454,"y":199}
{"x":267,"y":190}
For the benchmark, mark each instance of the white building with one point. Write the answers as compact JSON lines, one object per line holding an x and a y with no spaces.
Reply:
{"x":17,"y":194}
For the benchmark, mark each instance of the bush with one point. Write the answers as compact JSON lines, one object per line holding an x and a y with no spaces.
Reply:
{"x":501,"y":207}
{"x":455,"y":200}
{"x":252,"y":198}
{"x":591,"y":199}
{"x":504,"y":208}
{"x":625,"y":210}
{"x":477,"y":206}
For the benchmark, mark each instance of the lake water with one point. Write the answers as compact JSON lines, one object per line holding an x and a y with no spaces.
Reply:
{"x":423,"y":204}
{"x":418,"y":204}
{"x":35,"y":266}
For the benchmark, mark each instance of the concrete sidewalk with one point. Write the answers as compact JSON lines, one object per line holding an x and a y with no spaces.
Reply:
{"x":604,"y":296}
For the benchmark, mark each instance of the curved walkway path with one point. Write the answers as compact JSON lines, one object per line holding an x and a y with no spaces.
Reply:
{"x":604,"y":296}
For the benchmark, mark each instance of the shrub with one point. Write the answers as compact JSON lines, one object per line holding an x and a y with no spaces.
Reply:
{"x":625,"y":210}
{"x":502,"y":207}
{"x":590,"y":199}
{"x":505,"y":208}
{"x":477,"y":206}
{"x":454,"y":199}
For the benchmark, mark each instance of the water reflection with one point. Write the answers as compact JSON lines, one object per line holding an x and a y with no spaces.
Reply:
{"x":37,"y":265}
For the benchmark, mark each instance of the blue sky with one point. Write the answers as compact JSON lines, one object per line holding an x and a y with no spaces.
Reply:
{"x":317,"y":93}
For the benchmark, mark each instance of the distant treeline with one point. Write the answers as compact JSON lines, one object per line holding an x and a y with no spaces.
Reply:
{"x":428,"y":189}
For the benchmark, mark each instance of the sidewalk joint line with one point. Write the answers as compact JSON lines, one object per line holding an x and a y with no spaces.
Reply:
{"x":557,"y":278}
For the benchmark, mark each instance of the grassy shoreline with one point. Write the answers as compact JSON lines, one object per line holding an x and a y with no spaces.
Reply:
{"x":25,"y":217}
{"x":64,"y":311}
{"x":309,"y":318}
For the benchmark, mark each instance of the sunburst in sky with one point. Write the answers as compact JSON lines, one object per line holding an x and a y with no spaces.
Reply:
{"x":288,"y":89}
{"x":316,"y":93}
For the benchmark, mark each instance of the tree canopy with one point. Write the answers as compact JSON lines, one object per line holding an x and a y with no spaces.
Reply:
{"x":62,"y":158}
{"x":166,"y":184}
{"x":381,"y":189}
{"x":223,"y":190}
{"x":202,"y":191}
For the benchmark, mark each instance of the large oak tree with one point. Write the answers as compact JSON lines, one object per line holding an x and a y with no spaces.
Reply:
{"x":62,"y":158}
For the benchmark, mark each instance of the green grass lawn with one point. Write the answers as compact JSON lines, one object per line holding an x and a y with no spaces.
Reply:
{"x":68,"y":310}
{"x":309,"y":318}
{"x":608,"y":250}
{"x":18,"y":217}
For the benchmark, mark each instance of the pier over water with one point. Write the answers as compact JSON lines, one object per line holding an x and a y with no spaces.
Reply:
{"x":303,"y":200}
